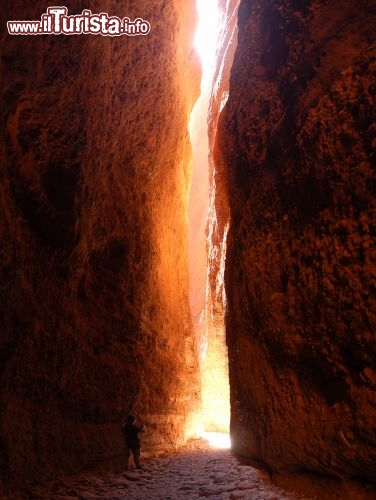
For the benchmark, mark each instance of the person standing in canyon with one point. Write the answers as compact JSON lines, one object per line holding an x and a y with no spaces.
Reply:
{"x":132,"y":441}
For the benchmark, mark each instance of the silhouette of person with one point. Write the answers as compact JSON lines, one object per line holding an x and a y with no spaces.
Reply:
{"x":132,"y":441}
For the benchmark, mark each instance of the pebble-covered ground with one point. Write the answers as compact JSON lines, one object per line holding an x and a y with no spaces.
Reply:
{"x":197,"y":472}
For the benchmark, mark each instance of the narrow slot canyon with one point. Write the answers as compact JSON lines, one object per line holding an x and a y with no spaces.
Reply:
{"x":187,"y":235}
{"x":209,"y":330}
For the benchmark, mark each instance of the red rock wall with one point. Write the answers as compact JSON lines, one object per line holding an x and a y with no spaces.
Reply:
{"x":215,"y":384}
{"x":94,"y":184}
{"x":294,"y":159}
{"x":217,"y":225}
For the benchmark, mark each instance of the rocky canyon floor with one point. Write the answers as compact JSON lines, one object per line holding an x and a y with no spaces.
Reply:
{"x":197,"y":471}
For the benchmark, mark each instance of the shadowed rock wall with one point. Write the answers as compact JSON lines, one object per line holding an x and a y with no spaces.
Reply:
{"x":294,"y":174}
{"x":95,"y":169}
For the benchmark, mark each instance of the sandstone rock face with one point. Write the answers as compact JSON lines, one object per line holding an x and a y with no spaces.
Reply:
{"x":95,"y":169}
{"x":294,"y":173}
{"x":215,"y":384}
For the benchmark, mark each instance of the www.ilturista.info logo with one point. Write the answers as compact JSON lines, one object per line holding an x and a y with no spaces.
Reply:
{"x":57,"y":22}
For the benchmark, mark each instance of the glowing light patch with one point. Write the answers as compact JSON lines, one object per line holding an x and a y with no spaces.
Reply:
{"x":207,"y":31}
{"x":217,"y":439}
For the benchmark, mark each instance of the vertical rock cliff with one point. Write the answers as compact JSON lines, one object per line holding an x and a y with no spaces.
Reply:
{"x":295,"y":179}
{"x":215,"y":386}
{"x":95,"y":169}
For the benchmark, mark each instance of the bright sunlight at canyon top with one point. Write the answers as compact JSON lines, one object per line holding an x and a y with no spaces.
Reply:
{"x":207,"y":33}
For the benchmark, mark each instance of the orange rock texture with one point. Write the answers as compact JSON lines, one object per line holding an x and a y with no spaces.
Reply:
{"x":95,"y":172}
{"x":215,"y":385}
{"x":294,"y":178}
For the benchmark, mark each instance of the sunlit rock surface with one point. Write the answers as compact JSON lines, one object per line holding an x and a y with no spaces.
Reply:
{"x":215,"y":386}
{"x":95,"y":169}
{"x":293,"y":162}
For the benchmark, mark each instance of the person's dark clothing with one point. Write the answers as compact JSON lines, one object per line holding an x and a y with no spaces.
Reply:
{"x":131,"y":437}
{"x":132,"y":443}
